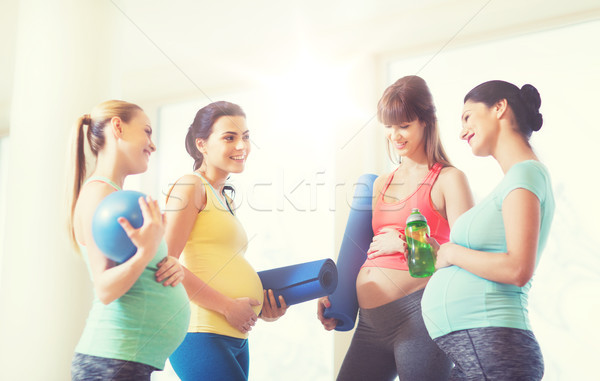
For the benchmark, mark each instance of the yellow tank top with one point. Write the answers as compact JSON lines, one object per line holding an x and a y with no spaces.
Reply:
{"x":214,"y":252}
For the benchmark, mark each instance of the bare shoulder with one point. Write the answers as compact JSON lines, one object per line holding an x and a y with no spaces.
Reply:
{"x":188,"y":179}
{"x":452,"y":177}
{"x":188,"y":184}
{"x":457,"y":192}
{"x":186,"y":188}
{"x":379,"y":183}
{"x":90,"y":196}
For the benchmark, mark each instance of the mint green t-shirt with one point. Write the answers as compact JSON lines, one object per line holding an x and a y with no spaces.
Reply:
{"x":144,"y":325}
{"x":456,"y":299}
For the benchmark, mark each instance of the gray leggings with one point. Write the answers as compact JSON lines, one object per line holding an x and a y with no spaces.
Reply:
{"x":93,"y":368}
{"x":391,"y":340}
{"x":494,"y":354}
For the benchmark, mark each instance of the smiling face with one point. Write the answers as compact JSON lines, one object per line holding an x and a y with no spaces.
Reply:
{"x":137,"y":140}
{"x":479,"y":128}
{"x":407,"y":139}
{"x":228,"y":146}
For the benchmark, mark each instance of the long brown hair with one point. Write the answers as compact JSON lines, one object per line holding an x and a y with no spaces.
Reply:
{"x":409,"y":99}
{"x":96,"y":121}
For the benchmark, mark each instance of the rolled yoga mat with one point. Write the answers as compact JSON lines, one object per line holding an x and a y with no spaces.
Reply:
{"x":353,"y":253}
{"x":302,"y":282}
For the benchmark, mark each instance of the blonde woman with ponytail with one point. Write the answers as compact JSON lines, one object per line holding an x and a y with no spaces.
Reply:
{"x":140,"y":310}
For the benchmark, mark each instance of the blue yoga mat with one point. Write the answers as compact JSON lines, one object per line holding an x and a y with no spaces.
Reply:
{"x":302,"y":282}
{"x":353,"y":253}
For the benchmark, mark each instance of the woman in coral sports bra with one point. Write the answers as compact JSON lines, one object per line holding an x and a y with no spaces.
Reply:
{"x":391,"y":340}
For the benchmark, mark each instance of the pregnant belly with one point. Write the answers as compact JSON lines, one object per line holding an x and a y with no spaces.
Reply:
{"x":236,"y":279}
{"x":377,"y":286}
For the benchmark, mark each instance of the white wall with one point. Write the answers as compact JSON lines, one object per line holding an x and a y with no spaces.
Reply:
{"x":3,"y":191}
{"x":44,"y":288}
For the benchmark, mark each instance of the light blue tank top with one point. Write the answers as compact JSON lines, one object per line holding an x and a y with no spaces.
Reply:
{"x":144,"y":325}
{"x":456,"y":299}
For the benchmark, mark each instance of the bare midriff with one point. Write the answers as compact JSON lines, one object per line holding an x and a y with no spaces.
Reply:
{"x":377,"y":286}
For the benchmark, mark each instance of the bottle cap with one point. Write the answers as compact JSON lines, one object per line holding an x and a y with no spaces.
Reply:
{"x":415,"y":216}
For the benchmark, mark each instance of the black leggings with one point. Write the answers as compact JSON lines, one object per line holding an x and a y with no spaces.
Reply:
{"x":493,"y":354}
{"x":391,"y":340}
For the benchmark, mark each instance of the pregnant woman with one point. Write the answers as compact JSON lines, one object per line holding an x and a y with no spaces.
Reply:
{"x":225,"y":292}
{"x":391,"y":340}
{"x":475,"y":305}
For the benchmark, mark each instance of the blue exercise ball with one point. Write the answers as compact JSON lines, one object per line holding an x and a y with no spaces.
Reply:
{"x":110,"y":237}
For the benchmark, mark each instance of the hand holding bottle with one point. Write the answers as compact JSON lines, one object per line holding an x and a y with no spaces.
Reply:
{"x":421,"y":261}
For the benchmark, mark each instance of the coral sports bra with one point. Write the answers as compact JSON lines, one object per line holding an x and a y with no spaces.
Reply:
{"x":394,"y":214}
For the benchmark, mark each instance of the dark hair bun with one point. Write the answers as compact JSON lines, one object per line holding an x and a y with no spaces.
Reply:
{"x":532,"y":101}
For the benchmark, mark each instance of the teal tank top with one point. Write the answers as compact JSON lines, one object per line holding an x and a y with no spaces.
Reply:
{"x":456,"y":299}
{"x":144,"y":325}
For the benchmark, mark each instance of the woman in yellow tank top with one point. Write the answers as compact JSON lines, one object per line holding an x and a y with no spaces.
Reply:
{"x":226,"y":294}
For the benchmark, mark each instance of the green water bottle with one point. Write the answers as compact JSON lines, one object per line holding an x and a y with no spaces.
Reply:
{"x":421,"y":261}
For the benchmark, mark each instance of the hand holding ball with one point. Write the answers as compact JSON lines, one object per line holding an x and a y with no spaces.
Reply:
{"x":108,"y":233}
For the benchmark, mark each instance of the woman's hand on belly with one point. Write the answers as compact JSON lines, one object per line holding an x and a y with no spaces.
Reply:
{"x":170,"y":271}
{"x":240,"y":315}
{"x":389,"y":241}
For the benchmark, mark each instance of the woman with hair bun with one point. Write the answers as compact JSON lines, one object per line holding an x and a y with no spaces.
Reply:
{"x":484,"y":272}
{"x":225,"y":292}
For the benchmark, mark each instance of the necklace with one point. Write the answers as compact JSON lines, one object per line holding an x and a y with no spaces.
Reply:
{"x":226,"y":204}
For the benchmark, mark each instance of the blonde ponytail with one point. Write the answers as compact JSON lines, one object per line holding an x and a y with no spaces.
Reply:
{"x":94,"y":134}
{"x":78,"y":171}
